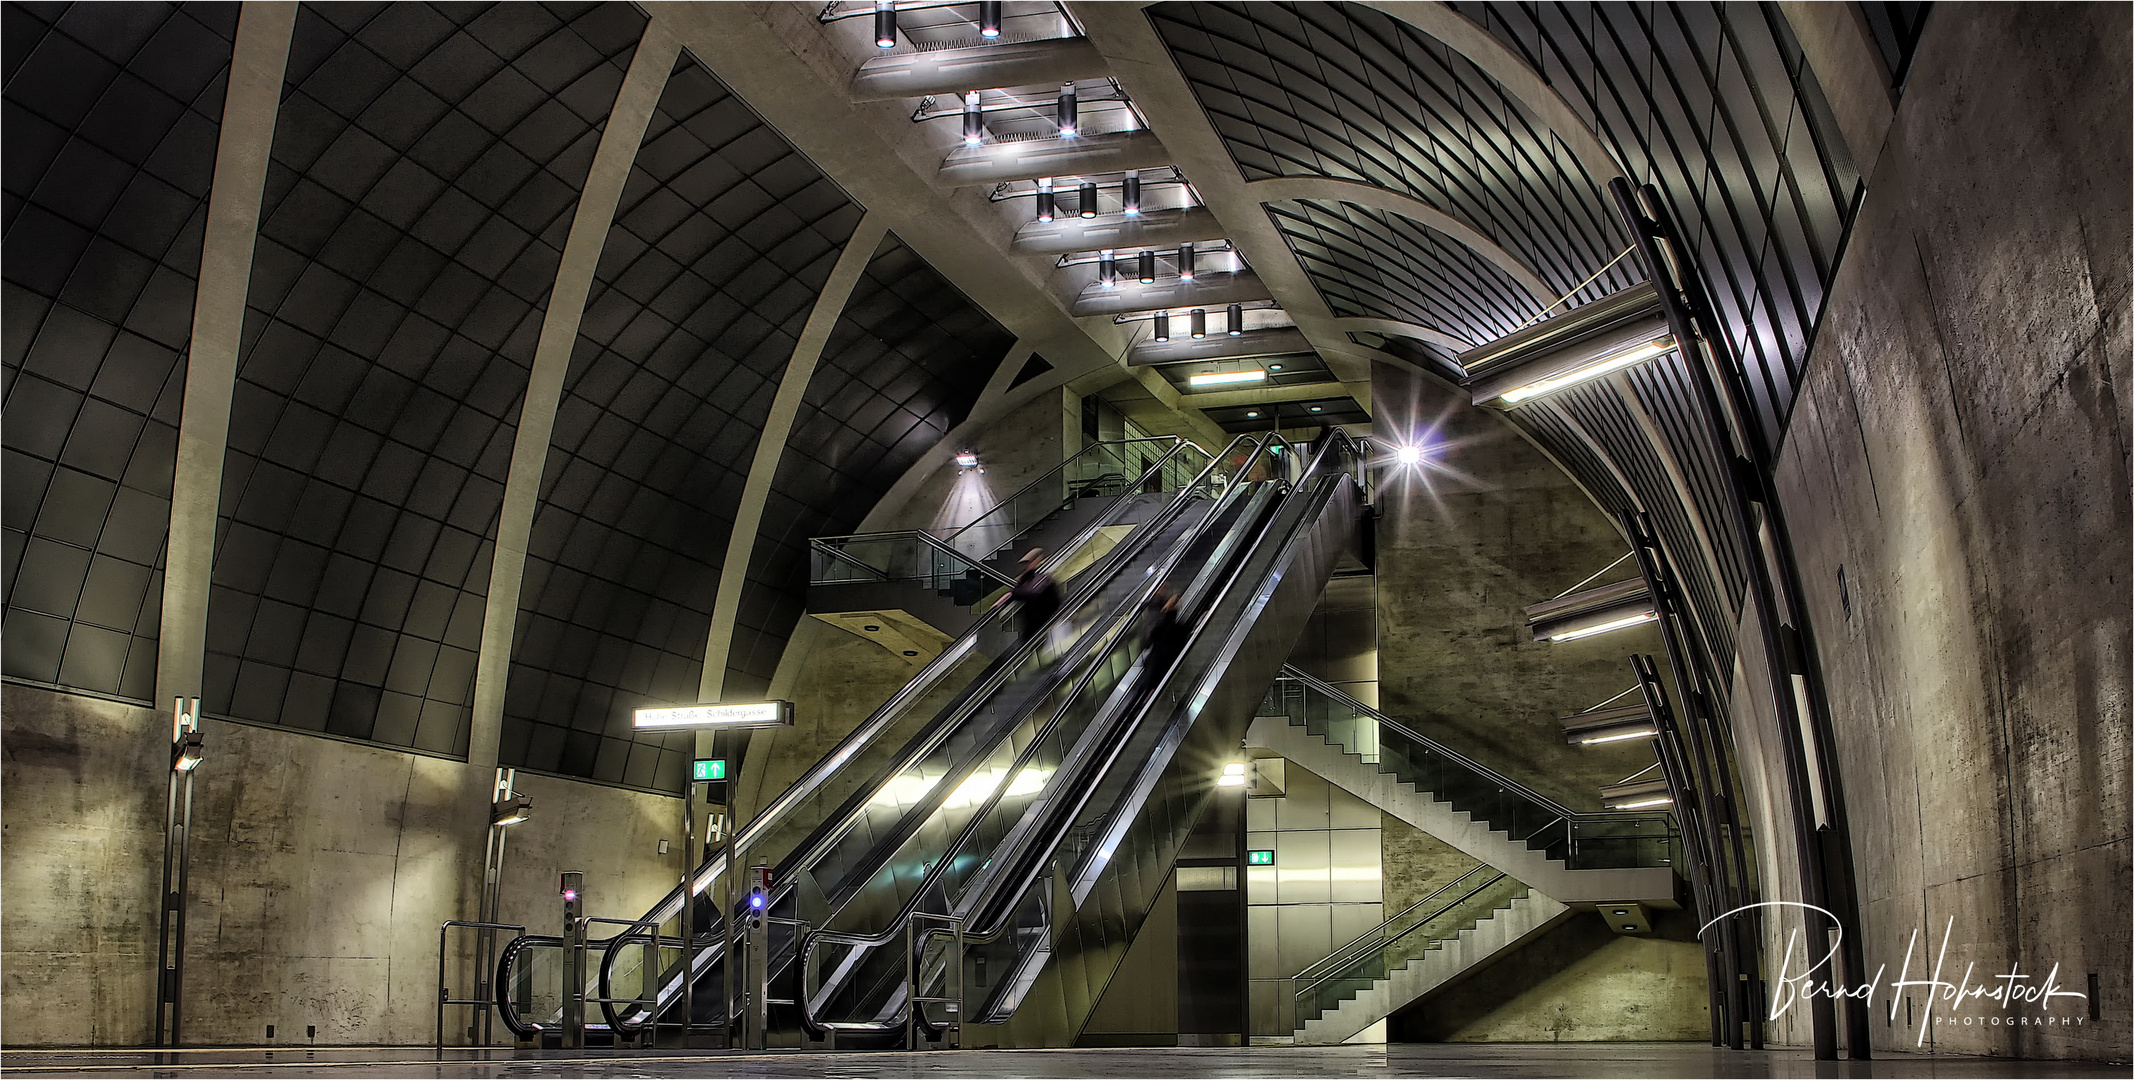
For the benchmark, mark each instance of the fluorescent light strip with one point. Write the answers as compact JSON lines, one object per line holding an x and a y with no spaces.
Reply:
{"x":1645,"y":805}
{"x":1618,"y":738}
{"x":1226,"y":378}
{"x":1605,"y":365}
{"x":1641,"y":617}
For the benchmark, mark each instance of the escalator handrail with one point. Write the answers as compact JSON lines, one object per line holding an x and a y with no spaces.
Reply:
{"x":850,"y":746}
{"x":1177,"y":443}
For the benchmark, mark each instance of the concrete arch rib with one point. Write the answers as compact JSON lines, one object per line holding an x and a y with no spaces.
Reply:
{"x":1464,"y":36}
{"x":627,"y":121}
{"x":1329,"y":189}
{"x":1396,"y":328}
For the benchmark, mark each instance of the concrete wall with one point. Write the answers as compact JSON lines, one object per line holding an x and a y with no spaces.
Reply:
{"x":321,"y":871}
{"x":1488,"y":526}
{"x":1322,"y":892}
{"x":1959,"y":455}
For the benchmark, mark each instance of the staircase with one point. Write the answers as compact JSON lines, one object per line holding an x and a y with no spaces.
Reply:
{"x":1411,"y":968}
{"x":1486,"y":818}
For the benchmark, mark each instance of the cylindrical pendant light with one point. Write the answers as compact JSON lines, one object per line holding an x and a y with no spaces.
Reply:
{"x":1070,"y":113}
{"x":1088,"y":192}
{"x":1185,"y":262}
{"x":1130,"y":194}
{"x":1200,"y":323}
{"x":1044,"y":199}
{"x":1163,"y":326}
{"x":989,"y":18}
{"x":973,"y":120}
{"x":1237,"y":320}
{"x":1145,"y":267}
{"x":1107,"y":269}
{"x":885,"y":24}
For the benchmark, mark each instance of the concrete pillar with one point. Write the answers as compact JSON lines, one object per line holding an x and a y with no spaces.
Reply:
{"x":249,"y":108}
{"x":792,"y":388}
{"x":632,"y":111}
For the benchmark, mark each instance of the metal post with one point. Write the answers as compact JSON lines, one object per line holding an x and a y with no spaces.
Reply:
{"x":491,"y":905}
{"x":1665,"y":269}
{"x":689,"y":910}
{"x":573,"y":960}
{"x":755,"y":1032}
{"x":177,"y":868}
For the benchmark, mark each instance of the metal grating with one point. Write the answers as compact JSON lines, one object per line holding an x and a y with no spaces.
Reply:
{"x":723,"y":238}
{"x":112,"y":113}
{"x":426,"y":164}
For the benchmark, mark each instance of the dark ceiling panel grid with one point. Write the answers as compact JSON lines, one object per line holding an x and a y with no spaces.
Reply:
{"x":906,"y":361}
{"x":426,"y":165}
{"x":722,"y":240}
{"x":111,"y":113}
{"x":1379,"y":265}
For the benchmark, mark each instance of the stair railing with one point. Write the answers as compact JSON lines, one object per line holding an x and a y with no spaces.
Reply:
{"x":1374,"y":943}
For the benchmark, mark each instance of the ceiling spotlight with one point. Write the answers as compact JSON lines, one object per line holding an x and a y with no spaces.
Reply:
{"x":1069,"y":113}
{"x":1594,"y":611}
{"x":885,"y":24}
{"x":1316,"y":408}
{"x":1226,"y":378}
{"x":1200,"y":323}
{"x":989,"y":19}
{"x":1088,"y":192}
{"x":1145,"y":267}
{"x":1237,"y":320}
{"x":1185,"y":262}
{"x":1270,"y":367}
{"x":973,"y":120}
{"x":1107,"y":269}
{"x":1253,"y":413}
{"x":1583,"y":344}
{"x":1130,"y":195}
{"x":1045,"y":204}
{"x":1163,"y":326}
{"x":1408,"y":455}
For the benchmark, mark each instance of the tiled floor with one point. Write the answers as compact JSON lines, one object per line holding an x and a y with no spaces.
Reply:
{"x":1507,"y":1060}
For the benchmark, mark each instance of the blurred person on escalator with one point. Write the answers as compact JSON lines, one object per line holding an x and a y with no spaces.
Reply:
{"x":1035,"y":595}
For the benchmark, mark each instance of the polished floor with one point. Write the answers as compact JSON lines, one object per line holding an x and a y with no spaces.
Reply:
{"x":1495,"y":1060}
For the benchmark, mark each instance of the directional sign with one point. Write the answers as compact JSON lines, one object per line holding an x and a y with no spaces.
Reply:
{"x":709,"y":769}
{"x":746,"y":714}
{"x":1259,"y":858}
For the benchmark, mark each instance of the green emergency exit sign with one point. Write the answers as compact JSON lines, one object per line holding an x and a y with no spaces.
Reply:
{"x":710,"y":769}
{"x":1259,"y":858}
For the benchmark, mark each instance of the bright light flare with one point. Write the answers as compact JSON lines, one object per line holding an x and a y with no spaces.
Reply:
{"x":1226,"y":378}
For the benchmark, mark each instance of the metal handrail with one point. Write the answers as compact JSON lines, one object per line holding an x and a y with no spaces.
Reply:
{"x":1176,"y":442}
{"x":444,"y":993}
{"x":1341,"y":957}
{"x":1360,"y":954}
{"x":851,"y":745}
{"x":824,"y":544}
{"x":1462,"y":760}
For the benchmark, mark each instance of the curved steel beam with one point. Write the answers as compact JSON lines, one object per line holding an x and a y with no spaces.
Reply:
{"x":1328,"y":189}
{"x":1481,"y":48}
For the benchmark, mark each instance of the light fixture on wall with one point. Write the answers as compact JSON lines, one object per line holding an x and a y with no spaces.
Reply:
{"x":1408,"y":455}
{"x":1069,"y":114}
{"x":1610,"y":725}
{"x":1045,"y":206}
{"x":1226,"y":378}
{"x":989,"y":19}
{"x":1586,"y":343}
{"x":1233,"y":775}
{"x":967,"y":459}
{"x":973,"y":120}
{"x":1594,"y":611}
{"x":188,"y":752}
{"x":1639,"y":795}
{"x":885,"y":24}
{"x":1130,"y":195}
{"x":511,"y":810}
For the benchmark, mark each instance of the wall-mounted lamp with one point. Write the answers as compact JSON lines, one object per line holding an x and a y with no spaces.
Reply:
{"x":1594,"y":611}
{"x":1590,"y":341}
{"x":1408,"y":455}
{"x":187,"y":753}
{"x":1233,"y":775}
{"x":1610,"y":725}
{"x":511,"y":809}
{"x":885,"y":24}
{"x":1641,"y":795}
{"x":967,"y":460}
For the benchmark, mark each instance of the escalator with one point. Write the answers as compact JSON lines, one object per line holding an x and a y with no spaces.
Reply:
{"x":1003,"y":853}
